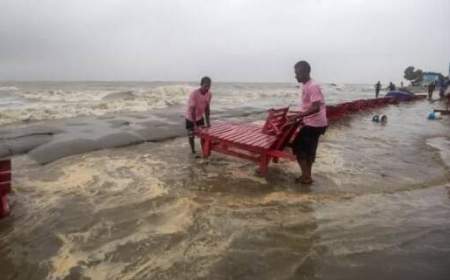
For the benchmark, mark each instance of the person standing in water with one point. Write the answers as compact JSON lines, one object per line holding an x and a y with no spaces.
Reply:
{"x":377,"y":89}
{"x":391,"y":86}
{"x":198,"y":110}
{"x":314,"y":117}
{"x":431,"y":87}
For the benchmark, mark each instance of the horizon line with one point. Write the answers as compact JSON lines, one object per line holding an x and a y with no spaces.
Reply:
{"x":170,"y":81}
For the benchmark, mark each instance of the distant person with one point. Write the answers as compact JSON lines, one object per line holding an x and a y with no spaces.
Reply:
{"x":313,"y":114}
{"x":377,"y":89}
{"x":391,"y":86}
{"x":401,"y":84}
{"x":431,"y":87}
{"x":197,"y":107}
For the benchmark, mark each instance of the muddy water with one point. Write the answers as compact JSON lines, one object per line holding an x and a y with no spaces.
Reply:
{"x":379,"y":209}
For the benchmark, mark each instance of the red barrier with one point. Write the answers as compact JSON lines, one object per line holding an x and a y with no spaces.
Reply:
{"x":337,"y":111}
{"x":5,"y":186}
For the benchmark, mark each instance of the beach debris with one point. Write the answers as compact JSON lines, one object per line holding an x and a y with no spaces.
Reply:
{"x":434,"y":116}
{"x":381,"y":118}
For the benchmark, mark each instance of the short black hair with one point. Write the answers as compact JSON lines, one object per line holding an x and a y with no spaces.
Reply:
{"x":205,"y":80}
{"x":303,"y":64}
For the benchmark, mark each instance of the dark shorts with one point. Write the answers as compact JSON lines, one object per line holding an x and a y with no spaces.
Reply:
{"x":190,"y":124}
{"x":306,"y":141}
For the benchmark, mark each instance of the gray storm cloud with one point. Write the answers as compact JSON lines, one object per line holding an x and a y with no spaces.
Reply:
{"x":253,"y":40}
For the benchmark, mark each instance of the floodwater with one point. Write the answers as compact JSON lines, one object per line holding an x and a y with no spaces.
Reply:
{"x":379,"y":209}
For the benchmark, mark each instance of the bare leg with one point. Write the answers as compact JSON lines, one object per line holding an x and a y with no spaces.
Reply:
{"x":191,"y":141}
{"x":303,"y":166}
{"x":307,"y":176}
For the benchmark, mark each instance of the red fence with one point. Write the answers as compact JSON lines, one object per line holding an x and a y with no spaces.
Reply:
{"x":337,"y":111}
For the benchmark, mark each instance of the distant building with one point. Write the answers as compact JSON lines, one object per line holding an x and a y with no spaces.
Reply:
{"x":429,"y":77}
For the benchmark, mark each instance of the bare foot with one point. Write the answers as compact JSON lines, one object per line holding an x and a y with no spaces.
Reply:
{"x":298,"y":180}
{"x":306,"y":181}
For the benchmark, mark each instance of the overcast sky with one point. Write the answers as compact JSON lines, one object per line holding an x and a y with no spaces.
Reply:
{"x":230,"y":40}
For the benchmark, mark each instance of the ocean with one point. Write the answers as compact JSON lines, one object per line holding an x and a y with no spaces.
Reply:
{"x":104,"y":187}
{"x":34,"y":101}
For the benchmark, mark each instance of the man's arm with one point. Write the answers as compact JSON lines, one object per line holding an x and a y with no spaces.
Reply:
{"x":315,"y":107}
{"x":207,"y":116}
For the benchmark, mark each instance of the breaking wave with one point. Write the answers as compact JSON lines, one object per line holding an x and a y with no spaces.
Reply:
{"x":59,"y":104}
{"x":8,"y":88}
{"x":60,"y":100}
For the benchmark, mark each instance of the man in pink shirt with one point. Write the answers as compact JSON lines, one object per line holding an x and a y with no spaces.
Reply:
{"x":314,"y":116}
{"x":198,"y":105}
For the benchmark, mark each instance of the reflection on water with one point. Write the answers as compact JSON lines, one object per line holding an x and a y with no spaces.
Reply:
{"x":378,"y":210}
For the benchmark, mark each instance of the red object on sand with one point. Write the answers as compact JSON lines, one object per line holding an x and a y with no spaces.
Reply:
{"x":5,"y":186}
{"x":262,"y":144}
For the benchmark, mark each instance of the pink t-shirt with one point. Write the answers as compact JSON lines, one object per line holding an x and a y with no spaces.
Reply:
{"x":200,"y":102}
{"x":311,"y":93}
